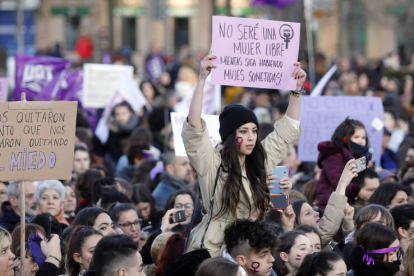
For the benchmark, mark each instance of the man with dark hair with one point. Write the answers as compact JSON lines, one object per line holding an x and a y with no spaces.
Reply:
{"x":368,"y":187}
{"x":176,"y":176}
{"x":117,"y":255}
{"x":251,"y":245}
{"x":404,"y":222}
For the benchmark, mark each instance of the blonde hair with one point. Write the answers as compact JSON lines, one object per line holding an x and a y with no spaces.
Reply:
{"x":158,"y":246}
{"x":4,"y":233}
{"x":409,"y":258}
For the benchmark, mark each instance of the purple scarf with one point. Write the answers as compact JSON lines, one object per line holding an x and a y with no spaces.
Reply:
{"x":35,"y":249}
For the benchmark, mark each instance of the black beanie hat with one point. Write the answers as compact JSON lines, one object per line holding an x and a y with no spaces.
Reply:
{"x":233,"y":117}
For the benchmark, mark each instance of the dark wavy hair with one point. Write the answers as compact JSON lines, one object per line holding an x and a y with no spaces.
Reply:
{"x":386,"y":192}
{"x":347,"y":129}
{"x":119,"y":209}
{"x":297,"y":207}
{"x":320,"y":263}
{"x":233,"y":187}
{"x":286,"y":242}
{"x":306,"y":228}
{"x":87,"y":216}
{"x":376,"y":236}
{"x":76,"y":241}
{"x":259,"y":235}
{"x":124,"y":104}
{"x":370,"y":212}
{"x":84,"y":183}
{"x":169,"y":204}
{"x":140,"y":139}
{"x":403,"y":215}
{"x":141,"y":193}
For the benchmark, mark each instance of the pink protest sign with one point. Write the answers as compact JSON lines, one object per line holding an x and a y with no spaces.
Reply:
{"x":254,"y":52}
{"x":3,"y":89}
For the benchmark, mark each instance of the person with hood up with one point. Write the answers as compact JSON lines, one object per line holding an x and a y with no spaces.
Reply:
{"x":349,"y":141}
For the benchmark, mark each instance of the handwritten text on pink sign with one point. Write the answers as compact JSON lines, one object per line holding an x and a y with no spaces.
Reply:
{"x":255,"y":52}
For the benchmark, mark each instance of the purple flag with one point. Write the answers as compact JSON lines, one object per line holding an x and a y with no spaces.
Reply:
{"x":155,"y":67}
{"x":39,"y":76}
{"x":280,"y":4}
{"x":72,"y":91}
{"x":72,"y":87}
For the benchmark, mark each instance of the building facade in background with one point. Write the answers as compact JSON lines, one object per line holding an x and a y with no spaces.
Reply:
{"x":340,"y":27}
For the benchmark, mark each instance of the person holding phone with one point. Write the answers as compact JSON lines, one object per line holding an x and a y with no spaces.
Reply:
{"x":240,"y":164}
{"x":349,"y":141}
{"x":337,"y":213}
{"x":183,"y":202}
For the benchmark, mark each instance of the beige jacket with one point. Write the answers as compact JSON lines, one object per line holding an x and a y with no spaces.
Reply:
{"x":206,"y":160}
{"x":332,"y":218}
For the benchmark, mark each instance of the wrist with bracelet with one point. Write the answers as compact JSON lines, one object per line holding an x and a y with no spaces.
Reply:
{"x":298,"y":93}
{"x":56,"y":258}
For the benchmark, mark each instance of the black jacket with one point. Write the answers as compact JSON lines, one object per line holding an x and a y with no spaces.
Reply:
{"x":146,"y":249}
{"x":10,"y":218}
{"x":47,"y":269}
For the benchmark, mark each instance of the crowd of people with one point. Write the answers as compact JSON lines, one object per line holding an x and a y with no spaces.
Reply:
{"x":133,"y":207}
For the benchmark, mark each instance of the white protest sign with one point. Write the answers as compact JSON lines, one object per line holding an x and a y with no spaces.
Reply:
{"x":99,"y":82}
{"x":317,"y":91}
{"x":126,"y":90}
{"x":320,"y":116}
{"x":37,"y":140}
{"x":254,"y":52}
{"x":178,"y":120}
{"x":3,"y":89}
{"x":211,"y":99}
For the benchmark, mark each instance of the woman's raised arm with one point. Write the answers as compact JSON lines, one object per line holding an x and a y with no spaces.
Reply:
{"x":196,"y":107}
{"x":293,"y":110}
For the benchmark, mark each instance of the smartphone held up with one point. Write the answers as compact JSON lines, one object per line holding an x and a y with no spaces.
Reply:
{"x":179,"y":216}
{"x":361,"y":164}
{"x":280,"y":172}
{"x":279,"y":201}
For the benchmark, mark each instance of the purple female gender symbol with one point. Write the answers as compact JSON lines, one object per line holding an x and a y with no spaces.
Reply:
{"x":255,"y":266}
{"x":239,"y":142}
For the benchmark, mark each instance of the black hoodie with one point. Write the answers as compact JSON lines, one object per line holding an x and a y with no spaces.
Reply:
{"x":10,"y":218}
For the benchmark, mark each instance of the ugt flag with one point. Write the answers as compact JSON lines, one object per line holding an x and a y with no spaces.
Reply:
{"x":39,"y":76}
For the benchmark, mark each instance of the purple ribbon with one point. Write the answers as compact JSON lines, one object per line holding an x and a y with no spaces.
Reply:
{"x":156,"y":170}
{"x":147,"y":154}
{"x":368,"y":258}
{"x":80,"y":230}
{"x":35,"y":249}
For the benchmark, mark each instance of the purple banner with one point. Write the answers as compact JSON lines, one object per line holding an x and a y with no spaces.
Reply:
{"x":39,"y":76}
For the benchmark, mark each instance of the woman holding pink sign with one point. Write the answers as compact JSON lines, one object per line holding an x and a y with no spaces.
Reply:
{"x":234,"y":175}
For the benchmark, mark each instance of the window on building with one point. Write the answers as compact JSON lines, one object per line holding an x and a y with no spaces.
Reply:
{"x":181,"y":32}
{"x":129,"y":32}
{"x":72,"y":29}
